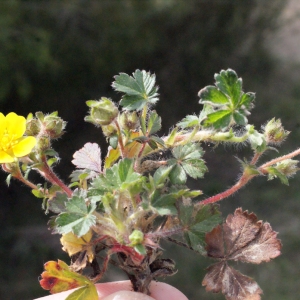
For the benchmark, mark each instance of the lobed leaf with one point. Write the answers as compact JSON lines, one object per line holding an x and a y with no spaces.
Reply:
{"x":88,"y":157}
{"x":139,"y":89}
{"x":58,"y":277}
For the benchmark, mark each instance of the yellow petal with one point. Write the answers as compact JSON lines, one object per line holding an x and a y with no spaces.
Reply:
{"x":16,"y":125}
{"x":2,"y":125}
{"x":5,"y":157}
{"x":24,"y":147}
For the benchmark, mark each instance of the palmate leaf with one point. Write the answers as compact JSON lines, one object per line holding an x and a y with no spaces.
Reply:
{"x":78,"y":217}
{"x":225,"y":103}
{"x":241,"y":238}
{"x":188,"y":121}
{"x":198,"y":223}
{"x":120,"y":176}
{"x":139,"y":89}
{"x":187,"y":161}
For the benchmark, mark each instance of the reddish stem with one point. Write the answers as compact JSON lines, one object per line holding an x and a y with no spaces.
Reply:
{"x":50,"y":176}
{"x":120,"y":140}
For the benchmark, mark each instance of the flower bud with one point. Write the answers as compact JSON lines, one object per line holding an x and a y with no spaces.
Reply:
{"x":288,"y":167}
{"x":102,"y":112}
{"x":109,"y":130}
{"x":54,"y":126}
{"x":33,"y":127}
{"x":129,"y":121}
{"x":274,"y":132}
{"x":136,"y":237}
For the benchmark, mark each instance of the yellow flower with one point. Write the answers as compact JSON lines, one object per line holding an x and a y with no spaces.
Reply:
{"x":12,"y":142}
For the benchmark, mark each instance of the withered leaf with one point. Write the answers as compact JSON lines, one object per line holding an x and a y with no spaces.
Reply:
{"x":234,"y":285}
{"x":241,"y":238}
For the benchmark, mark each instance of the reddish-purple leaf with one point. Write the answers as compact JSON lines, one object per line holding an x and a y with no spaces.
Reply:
{"x":234,"y":285}
{"x":88,"y":157}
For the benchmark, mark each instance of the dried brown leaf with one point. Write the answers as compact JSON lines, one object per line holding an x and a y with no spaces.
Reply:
{"x":241,"y":238}
{"x":234,"y":285}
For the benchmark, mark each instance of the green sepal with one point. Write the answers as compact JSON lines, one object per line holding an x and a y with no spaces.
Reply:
{"x":273,"y":173}
{"x":188,"y":121}
{"x":140,"y":249}
{"x":113,"y":141}
{"x":86,"y":292}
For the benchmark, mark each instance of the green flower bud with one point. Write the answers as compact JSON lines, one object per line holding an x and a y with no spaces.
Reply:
{"x":129,"y":121}
{"x":109,"y":130}
{"x":136,"y":237}
{"x":274,"y":132}
{"x":54,"y":126}
{"x":33,"y":127}
{"x":288,"y":167}
{"x":102,"y":112}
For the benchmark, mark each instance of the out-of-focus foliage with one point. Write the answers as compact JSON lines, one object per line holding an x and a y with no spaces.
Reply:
{"x":55,"y":55}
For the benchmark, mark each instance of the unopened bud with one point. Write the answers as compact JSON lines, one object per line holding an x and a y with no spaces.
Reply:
{"x":109,"y":130}
{"x":288,"y":167}
{"x":102,"y":112}
{"x":274,"y":132}
{"x":54,"y":126}
{"x":136,"y":237}
{"x":129,"y":120}
{"x":33,"y":127}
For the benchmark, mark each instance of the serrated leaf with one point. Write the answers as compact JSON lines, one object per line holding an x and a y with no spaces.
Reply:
{"x":198,"y":223}
{"x":243,"y":238}
{"x":88,"y":157}
{"x":58,"y":277}
{"x":154,"y":123}
{"x":247,"y":100}
{"x":195,"y":168}
{"x":178,"y":175}
{"x":188,"y":121}
{"x":161,"y":174}
{"x":229,"y":83}
{"x":239,"y":118}
{"x":219,"y":119}
{"x":77,"y":218}
{"x":87,"y":292}
{"x":222,"y":278}
{"x":58,"y":203}
{"x":139,"y":89}
{"x":213,"y":96}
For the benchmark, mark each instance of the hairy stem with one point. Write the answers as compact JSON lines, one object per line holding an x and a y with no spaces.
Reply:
{"x":120,"y":140}
{"x":49,"y":175}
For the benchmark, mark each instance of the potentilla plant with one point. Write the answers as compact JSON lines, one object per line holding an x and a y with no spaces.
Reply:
{"x":118,"y":211}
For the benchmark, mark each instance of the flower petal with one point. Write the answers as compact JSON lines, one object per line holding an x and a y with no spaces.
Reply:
{"x":6,"y":158}
{"x":24,"y":147}
{"x":2,"y":125}
{"x":16,"y":125}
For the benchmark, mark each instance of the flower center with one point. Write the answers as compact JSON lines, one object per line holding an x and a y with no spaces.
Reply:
{"x":7,"y":141}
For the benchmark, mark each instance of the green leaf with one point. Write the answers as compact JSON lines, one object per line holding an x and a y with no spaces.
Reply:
{"x":113,"y":141}
{"x":273,"y":172}
{"x":139,"y":89}
{"x":154,"y":123}
{"x":178,"y":175}
{"x":229,"y":83}
{"x":171,"y":138}
{"x":247,"y":100}
{"x":219,"y":119}
{"x":140,"y":249}
{"x":187,"y":160}
{"x":188,"y":121}
{"x":161,"y":174}
{"x":239,"y":118}
{"x":213,"y":96}
{"x":198,"y":223}
{"x":58,"y":203}
{"x":78,"y":217}
{"x":87,"y":292}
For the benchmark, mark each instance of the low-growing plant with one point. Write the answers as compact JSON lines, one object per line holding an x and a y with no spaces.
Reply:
{"x":118,"y":211}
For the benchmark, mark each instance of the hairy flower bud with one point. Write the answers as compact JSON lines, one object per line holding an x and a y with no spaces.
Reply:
{"x":33,"y":127}
{"x":129,"y":120}
{"x":274,"y":132}
{"x":102,"y":112}
{"x":54,"y":126}
{"x":288,"y":167}
{"x":136,"y":237}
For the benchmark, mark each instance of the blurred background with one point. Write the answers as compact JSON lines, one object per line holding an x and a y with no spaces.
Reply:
{"x":55,"y":55}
